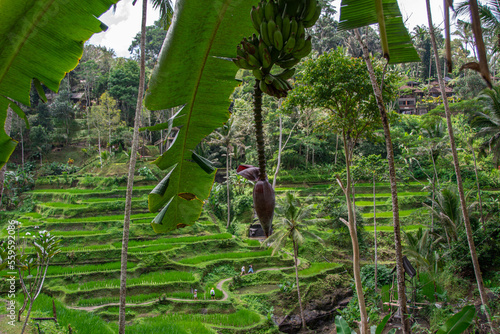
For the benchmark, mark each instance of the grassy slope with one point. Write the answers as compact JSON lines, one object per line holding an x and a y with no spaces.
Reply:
{"x":221,"y":246}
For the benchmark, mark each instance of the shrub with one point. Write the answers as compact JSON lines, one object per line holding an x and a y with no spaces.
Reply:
{"x":147,"y":173}
{"x":487,"y":248}
{"x":384,"y":275}
{"x":57,"y":168}
{"x":16,"y":182}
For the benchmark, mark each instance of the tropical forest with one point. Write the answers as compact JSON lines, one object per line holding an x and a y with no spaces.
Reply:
{"x":250,"y":167}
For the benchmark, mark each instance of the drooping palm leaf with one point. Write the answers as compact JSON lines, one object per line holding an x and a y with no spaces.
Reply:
{"x":41,"y":39}
{"x":478,"y":37}
{"x":396,"y":39}
{"x":192,"y":71}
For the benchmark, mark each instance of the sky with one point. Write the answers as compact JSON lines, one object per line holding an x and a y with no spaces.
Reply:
{"x":125,"y":23}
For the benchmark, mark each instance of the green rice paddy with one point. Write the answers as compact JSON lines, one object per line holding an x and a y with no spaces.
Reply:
{"x":223,"y":256}
{"x":388,"y":214}
{"x":66,"y":271}
{"x":316,"y":268}
{"x":390,"y":228}
{"x":153,"y":278}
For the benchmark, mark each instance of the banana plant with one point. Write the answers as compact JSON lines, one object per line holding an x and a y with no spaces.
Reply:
{"x":280,"y":40}
{"x":459,"y":322}
{"x":41,"y":41}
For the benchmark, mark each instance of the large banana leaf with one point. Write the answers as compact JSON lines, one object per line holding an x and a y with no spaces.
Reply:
{"x":459,"y":322}
{"x":41,"y":39}
{"x":396,"y":42}
{"x":193,"y":72}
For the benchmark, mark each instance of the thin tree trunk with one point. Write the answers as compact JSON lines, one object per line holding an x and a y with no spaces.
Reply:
{"x":99,"y":145}
{"x":88,"y":124}
{"x":394,"y":192}
{"x":296,"y":258}
{"x":109,"y":126}
{"x":279,"y":154}
{"x":228,"y":189}
{"x":27,"y":316}
{"x":281,"y":148}
{"x":7,"y":127}
{"x":375,"y":230}
{"x":22,"y":142}
{"x":478,"y":187}
{"x":336,"y":150}
{"x":26,"y":297}
{"x":130,"y":181}
{"x":259,"y":133}
{"x":435,"y":170}
{"x":363,"y":325}
{"x":456,"y":164}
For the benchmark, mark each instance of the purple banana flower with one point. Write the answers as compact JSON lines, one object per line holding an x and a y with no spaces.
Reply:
{"x":263,"y":196}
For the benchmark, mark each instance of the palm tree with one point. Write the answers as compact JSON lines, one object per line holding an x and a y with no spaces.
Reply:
{"x":166,"y":9}
{"x":488,"y":122}
{"x":290,"y":227}
{"x":394,"y":191}
{"x":435,"y":132}
{"x":456,"y":163}
{"x":446,"y":208}
{"x":489,"y":14}
{"x":421,"y":248}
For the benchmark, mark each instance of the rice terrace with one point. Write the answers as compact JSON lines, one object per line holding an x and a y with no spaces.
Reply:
{"x":246,"y":166}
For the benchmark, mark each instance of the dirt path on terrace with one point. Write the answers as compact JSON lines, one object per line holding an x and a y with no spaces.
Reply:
{"x":219,"y":286}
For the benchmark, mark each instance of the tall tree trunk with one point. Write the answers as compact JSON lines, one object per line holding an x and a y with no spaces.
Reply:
{"x":228,"y":188}
{"x":456,"y":164}
{"x":279,"y":154}
{"x":281,"y":148}
{"x":22,"y":141}
{"x":363,"y":325}
{"x":375,"y":230}
{"x":336,"y":150}
{"x":7,"y":127}
{"x":109,"y":127}
{"x":259,"y":132}
{"x":88,"y":126}
{"x":478,"y":187}
{"x":130,"y":181}
{"x":296,"y":259}
{"x":99,"y":145}
{"x":394,"y":191}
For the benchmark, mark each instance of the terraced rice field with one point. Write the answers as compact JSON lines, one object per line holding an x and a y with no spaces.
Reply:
{"x":87,"y":271}
{"x":164,"y":267}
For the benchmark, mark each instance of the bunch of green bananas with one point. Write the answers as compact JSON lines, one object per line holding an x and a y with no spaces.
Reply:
{"x":282,"y":41}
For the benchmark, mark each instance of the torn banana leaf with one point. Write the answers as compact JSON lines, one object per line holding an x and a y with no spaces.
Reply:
{"x":194,"y":70}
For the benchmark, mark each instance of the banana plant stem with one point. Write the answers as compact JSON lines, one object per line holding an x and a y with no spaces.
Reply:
{"x":259,"y":133}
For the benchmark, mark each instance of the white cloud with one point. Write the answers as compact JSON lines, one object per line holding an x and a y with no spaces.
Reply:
{"x":123,"y":25}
